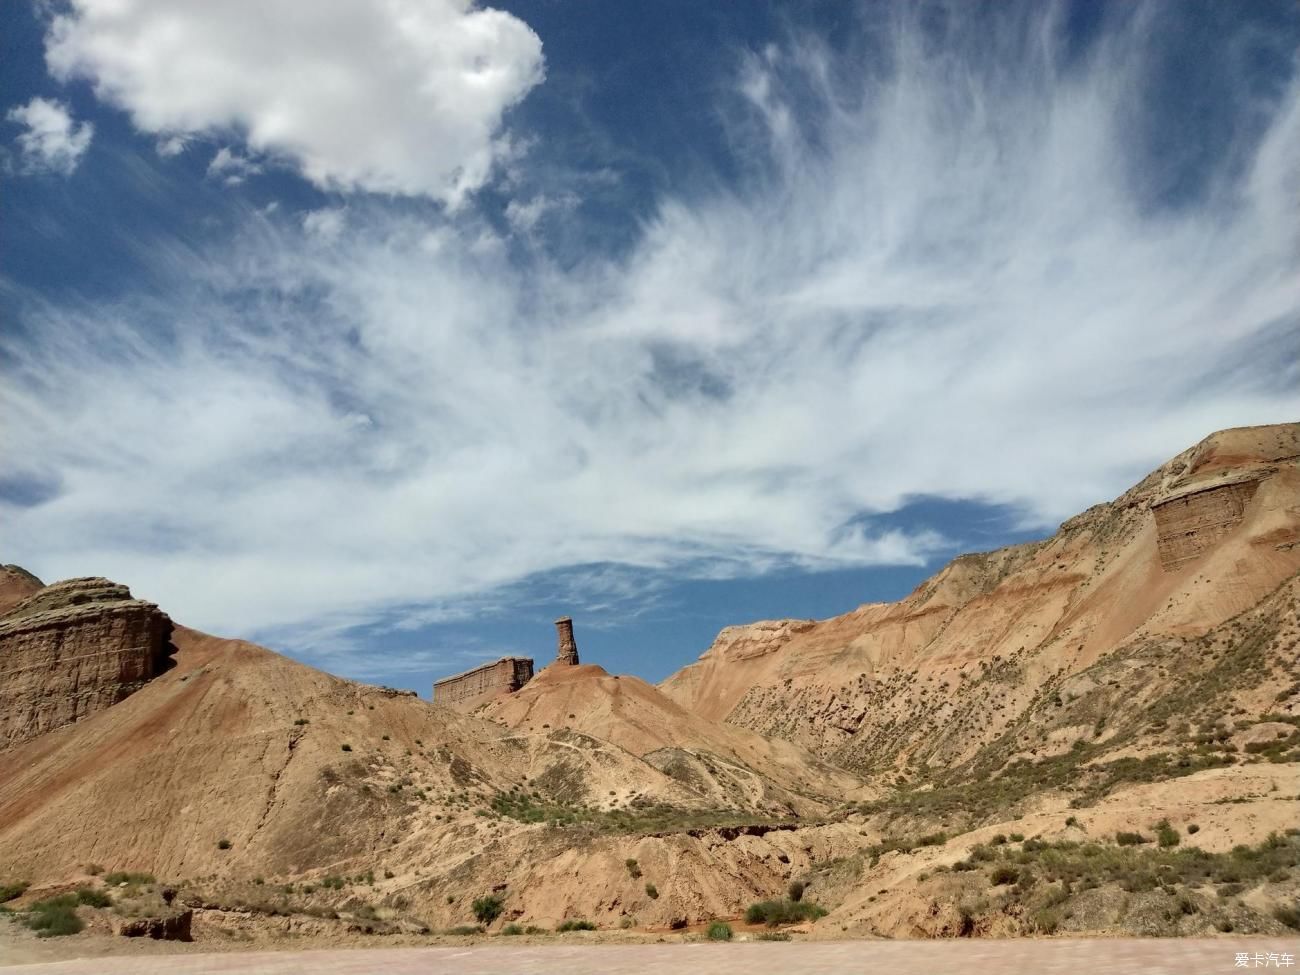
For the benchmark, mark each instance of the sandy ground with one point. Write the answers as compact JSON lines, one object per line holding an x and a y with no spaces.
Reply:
{"x":1097,"y":957}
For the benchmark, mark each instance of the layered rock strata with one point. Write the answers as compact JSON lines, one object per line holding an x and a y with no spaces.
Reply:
{"x":74,"y":648}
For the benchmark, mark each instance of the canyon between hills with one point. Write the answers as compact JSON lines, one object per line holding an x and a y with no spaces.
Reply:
{"x":1096,"y":733}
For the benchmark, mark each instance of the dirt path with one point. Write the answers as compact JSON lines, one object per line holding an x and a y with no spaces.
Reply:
{"x":1024,"y":957}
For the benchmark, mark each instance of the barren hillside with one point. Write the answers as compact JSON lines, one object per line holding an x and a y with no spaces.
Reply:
{"x":964,"y":661}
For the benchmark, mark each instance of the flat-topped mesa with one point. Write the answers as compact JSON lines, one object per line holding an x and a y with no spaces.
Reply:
{"x":566,"y":650}
{"x":72,"y":649}
{"x":467,"y":690}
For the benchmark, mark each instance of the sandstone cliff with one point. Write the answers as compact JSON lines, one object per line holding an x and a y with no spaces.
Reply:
{"x":72,"y":649}
{"x":959,"y":663}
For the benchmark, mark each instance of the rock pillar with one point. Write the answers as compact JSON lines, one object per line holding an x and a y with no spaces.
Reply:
{"x":566,"y":651}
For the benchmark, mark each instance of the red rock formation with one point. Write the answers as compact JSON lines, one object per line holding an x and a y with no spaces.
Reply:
{"x":72,"y":649}
{"x":566,"y":650}
{"x":464,"y":691}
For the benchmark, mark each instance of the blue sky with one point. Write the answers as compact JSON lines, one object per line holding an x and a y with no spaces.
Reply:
{"x":384,"y":333}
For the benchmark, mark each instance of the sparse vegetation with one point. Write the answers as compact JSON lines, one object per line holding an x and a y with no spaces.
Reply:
{"x":345,"y":747}
{"x":464,"y":929}
{"x":575,"y":925}
{"x":10,"y":891}
{"x":223,"y":844}
{"x":774,"y":913}
{"x":510,"y":930}
{"x":54,"y":917}
{"x":487,"y":908}
{"x":773,"y":936}
{"x":119,"y":877}
{"x":633,"y":868}
{"x":719,"y":931}
{"x":652,"y":891}
{"x":795,"y":890}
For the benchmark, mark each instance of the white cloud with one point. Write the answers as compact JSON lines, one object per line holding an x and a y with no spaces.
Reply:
{"x":390,"y":96}
{"x":172,"y":145}
{"x":326,"y":224}
{"x":923,"y":288}
{"x":52,"y":142}
{"x":524,"y":216}
{"x":231,"y":167}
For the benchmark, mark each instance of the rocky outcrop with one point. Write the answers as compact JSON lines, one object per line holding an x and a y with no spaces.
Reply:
{"x":175,"y":927}
{"x":74,"y":648}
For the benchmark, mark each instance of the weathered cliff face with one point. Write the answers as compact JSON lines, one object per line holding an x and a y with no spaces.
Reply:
{"x":959,"y":663}
{"x":74,"y":648}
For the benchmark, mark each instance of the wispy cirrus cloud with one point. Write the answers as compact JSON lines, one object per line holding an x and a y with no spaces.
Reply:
{"x":940,"y":273}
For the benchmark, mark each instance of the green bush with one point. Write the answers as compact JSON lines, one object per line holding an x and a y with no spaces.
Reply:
{"x":1002,"y":876}
{"x":575,"y":925}
{"x":512,"y":929}
{"x":487,"y":908}
{"x":652,"y":892}
{"x":93,"y":898}
{"x":1290,"y":916}
{"x":54,"y":917}
{"x":773,"y":913}
{"x":1166,"y":835}
{"x":719,"y":931}
{"x":1130,"y":839}
{"x":333,"y":882}
{"x":122,"y":877}
{"x":9,"y":891}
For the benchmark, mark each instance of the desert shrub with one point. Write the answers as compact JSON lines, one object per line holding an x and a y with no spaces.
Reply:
{"x":93,"y":898}
{"x":54,"y":917}
{"x":633,"y":869}
{"x":333,"y":882}
{"x":773,"y":913}
{"x":464,"y":929}
{"x":1193,"y":829}
{"x":773,"y":936}
{"x":576,"y":924}
{"x":345,"y":747}
{"x":1290,"y":916}
{"x":223,"y":844}
{"x":301,"y":721}
{"x":1002,"y":876}
{"x":1071,"y":820}
{"x":1017,"y":837}
{"x":511,"y":930}
{"x":652,"y":891}
{"x":123,"y":877}
{"x":1046,"y":920}
{"x":796,"y":889}
{"x":487,"y":908}
{"x":9,"y":891}
{"x":933,"y":839}
{"x":719,"y":931}
{"x":1166,"y":835}
{"x":999,"y":839}
{"x":1130,"y":839}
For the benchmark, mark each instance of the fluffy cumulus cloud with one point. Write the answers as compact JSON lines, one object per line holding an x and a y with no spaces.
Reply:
{"x":51,"y":141}
{"x":390,"y":96}
{"x":920,"y":286}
